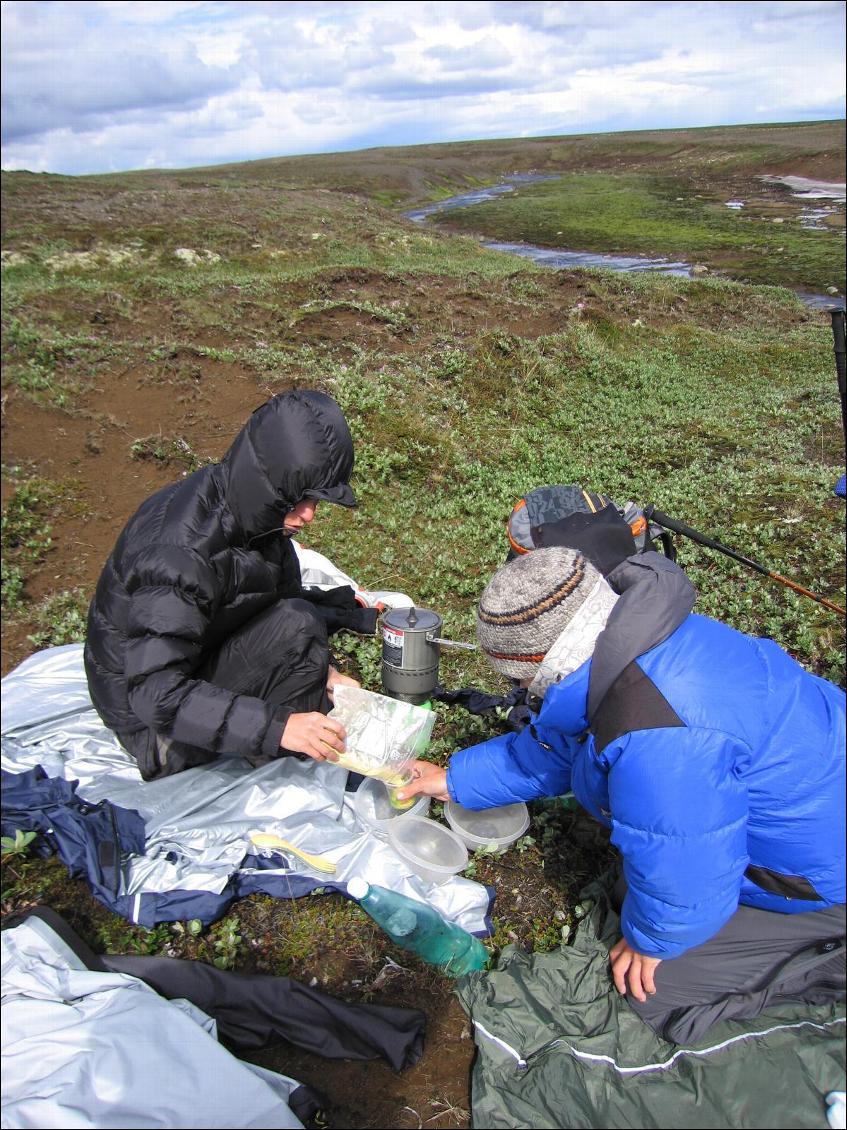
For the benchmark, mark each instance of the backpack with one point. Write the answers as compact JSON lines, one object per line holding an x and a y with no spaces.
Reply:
{"x":592,"y":523}
{"x":585,"y":520}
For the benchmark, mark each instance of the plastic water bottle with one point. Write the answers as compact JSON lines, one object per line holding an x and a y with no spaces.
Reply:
{"x":417,"y":927}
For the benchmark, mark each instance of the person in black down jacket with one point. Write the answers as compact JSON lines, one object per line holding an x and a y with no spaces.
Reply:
{"x":199,"y":643}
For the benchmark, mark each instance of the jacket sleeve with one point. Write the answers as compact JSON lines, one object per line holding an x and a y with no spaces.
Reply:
{"x":512,"y":767}
{"x":173,"y":595}
{"x":679,"y":819}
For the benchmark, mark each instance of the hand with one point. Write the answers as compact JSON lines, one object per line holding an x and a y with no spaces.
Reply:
{"x":336,"y":679}
{"x":428,"y":780}
{"x":633,"y":970}
{"x":314,"y":734}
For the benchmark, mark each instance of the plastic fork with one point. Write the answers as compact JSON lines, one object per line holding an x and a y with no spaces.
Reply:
{"x":268,"y":840}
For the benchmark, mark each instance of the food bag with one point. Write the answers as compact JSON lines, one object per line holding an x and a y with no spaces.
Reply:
{"x":383,"y":734}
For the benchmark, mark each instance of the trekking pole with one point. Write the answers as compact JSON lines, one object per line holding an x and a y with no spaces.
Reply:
{"x":837,"y":316}
{"x":652,"y":514}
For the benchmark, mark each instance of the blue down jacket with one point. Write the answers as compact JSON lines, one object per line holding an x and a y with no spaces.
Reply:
{"x":739,"y":799}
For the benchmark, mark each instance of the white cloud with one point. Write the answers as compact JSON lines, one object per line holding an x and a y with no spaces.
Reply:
{"x":484,"y":54}
{"x":100,"y":86}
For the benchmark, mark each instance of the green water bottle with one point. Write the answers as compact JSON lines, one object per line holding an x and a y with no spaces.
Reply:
{"x":421,"y":929}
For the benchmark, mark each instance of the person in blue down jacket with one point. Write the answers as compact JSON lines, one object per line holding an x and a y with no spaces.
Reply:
{"x":200,"y":643}
{"x":714,"y":758}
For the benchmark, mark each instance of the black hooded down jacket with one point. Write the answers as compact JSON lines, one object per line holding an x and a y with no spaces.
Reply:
{"x":197,"y":561}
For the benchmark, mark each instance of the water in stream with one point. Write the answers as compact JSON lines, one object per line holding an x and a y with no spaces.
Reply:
{"x":556,"y":258}
{"x":475,"y":196}
{"x":559,"y":258}
{"x":817,"y":190}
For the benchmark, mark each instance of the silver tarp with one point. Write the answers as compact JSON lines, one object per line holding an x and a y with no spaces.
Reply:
{"x":198,"y":823}
{"x":83,"y":1048}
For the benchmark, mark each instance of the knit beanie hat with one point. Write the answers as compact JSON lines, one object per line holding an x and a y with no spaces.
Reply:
{"x":527,"y":605}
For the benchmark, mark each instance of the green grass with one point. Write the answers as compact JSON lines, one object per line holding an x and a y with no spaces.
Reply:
{"x":26,"y":534}
{"x":735,"y":434}
{"x":60,"y":619}
{"x":712,"y":400}
{"x":647,"y":214}
{"x":26,"y":539}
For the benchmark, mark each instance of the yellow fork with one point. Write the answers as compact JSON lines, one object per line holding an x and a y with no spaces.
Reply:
{"x":268,"y":840}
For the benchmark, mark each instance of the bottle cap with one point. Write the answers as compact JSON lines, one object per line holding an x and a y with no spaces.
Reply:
{"x":357,"y":888}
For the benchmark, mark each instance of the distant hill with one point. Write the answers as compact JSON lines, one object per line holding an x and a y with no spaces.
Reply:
{"x":412,"y":173}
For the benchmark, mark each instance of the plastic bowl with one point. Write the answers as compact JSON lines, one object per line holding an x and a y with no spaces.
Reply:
{"x":431,"y":850}
{"x":492,"y":829}
{"x":375,"y":811}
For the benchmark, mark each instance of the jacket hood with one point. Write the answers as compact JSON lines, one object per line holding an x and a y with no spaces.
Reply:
{"x":655,"y":597}
{"x":296,"y":446}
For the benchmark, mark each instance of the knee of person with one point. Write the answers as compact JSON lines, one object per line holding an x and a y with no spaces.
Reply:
{"x":301,"y":616}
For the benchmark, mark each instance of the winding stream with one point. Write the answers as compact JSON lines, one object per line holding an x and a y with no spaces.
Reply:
{"x":559,"y":258}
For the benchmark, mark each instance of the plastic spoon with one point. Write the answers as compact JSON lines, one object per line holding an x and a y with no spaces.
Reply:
{"x":319,"y":862}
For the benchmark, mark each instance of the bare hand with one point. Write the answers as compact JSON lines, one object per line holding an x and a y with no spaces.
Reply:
{"x":633,"y":970}
{"x":336,"y":679}
{"x":314,"y":734}
{"x":428,"y":780}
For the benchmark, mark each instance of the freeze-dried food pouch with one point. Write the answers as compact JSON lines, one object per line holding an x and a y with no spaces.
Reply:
{"x":383,"y":734}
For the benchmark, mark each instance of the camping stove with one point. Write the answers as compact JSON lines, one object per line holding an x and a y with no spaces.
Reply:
{"x":411,"y":650}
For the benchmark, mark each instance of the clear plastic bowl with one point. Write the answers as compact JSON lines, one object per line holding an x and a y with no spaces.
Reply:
{"x":493,"y":829}
{"x":374,"y":810}
{"x":431,"y":850}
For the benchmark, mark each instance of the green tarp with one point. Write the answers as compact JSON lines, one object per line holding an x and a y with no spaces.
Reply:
{"x":557,"y":1047}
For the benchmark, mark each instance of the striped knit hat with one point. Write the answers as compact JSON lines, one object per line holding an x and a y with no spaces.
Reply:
{"x":528,"y":603}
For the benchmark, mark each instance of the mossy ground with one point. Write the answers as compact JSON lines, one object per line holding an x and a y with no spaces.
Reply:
{"x":650,"y":213}
{"x":468,"y":378}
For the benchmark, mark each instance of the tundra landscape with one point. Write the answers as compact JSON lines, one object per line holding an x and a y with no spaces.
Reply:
{"x":146,"y":314}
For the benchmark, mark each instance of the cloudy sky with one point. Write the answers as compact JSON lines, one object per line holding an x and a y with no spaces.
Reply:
{"x":125,"y":84}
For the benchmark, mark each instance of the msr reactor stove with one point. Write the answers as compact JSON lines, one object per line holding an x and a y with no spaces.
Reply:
{"x":411,"y":651}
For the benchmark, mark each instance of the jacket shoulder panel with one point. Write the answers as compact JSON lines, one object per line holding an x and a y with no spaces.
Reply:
{"x":633,"y":702}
